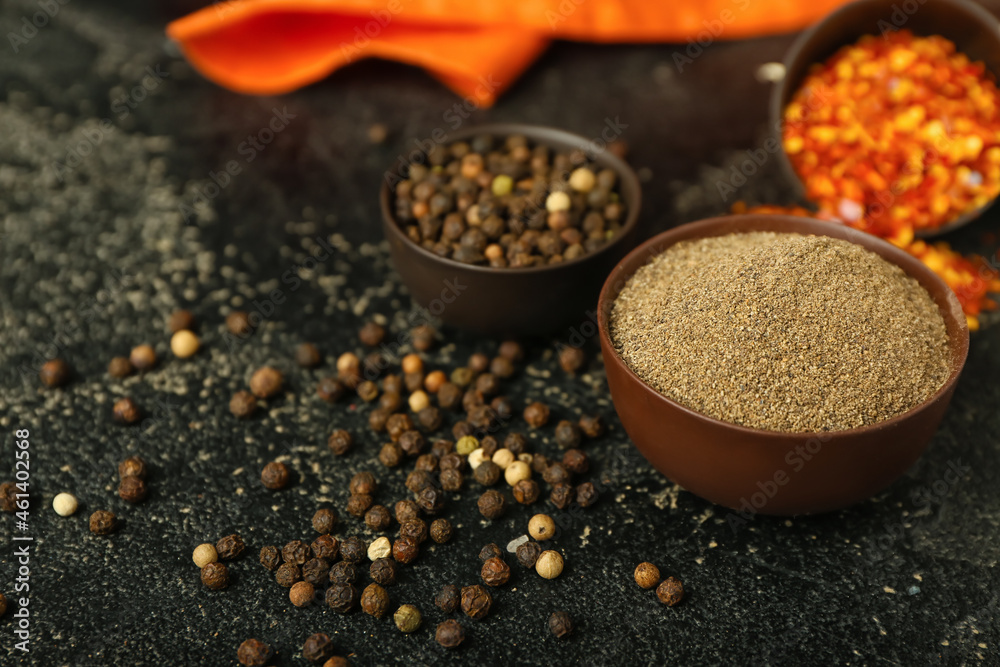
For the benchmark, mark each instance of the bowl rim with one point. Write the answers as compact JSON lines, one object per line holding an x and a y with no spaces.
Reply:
{"x":758,"y":222}
{"x":542,"y":134}
{"x":776,"y":106}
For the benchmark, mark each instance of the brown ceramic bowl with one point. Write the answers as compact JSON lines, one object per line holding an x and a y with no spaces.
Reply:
{"x":975,"y":31}
{"x":514,"y":302}
{"x":773,"y":472}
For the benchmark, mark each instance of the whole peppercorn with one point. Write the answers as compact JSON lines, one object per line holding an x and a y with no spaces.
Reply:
{"x":358,"y":504}
{"x":296,"y":552}
{"x":576,"y":461}
{"x":301,"y":594}
{"x":516,"y":443}
{"x":412,"y":363}
{"x":527,"y":554}
{"x":317,"y":648}
{"x":340,"y":442}
{"x":133,"y":466}
{"x":448,"y":598}
{"x":517,"y":471}
{"x":132,"y":490}
{"x":449,"y":634}
{"x":556,"y":473}
{"x":184,"y":344}
{"x":143,"y":357}
{"x":342,"y":596}
{"x":371,"y":334}
{"x":180,"y":320}
{"x":315,"y":571}
{"x":549,"y":564}
{"x":503,"y":458}
{"x":391,"y":455}
{"x":449,"y":396}
{"x":450,"y":479}
{"x":125,"y":411}
{"x":502,"y":408}
{"x":343,"y":573}
{"x":567,"y":434}
{"x":349,"y":369}
{"x":670,"y":591}
{"x":430,"y":419}
{"x":562,"y":495}
{"x":414,"y":529}
{"x":215,"y":576}
{"x":560,"y":624}
{"x":392,"y":384}
{"x":379,"y":548}
{"x":8,"y":497}
{"x":479,"y":362}
{"x":426,"y":462}
{"x":325,"y":520}
{"x":466,"y":444}
{"x":526,"y":491}
{"x":462,"y":377}
{"x":326,"y":547}
{"x":331,"y":390}
{"x":452,"y":461}
{"x":378,"y":518}
{"x":407,"y":618}
{"x":254,"y":653}
{"x":488,"y":384}
{"x":274,"y":476}
{"x":242,"y":404}
{"x":586,"y":494}
{"x":441,"y":530}
{"x":204,"y":554}
{"x":418,"y":399}
{"x":647,"y":575}
{"x":539,"y":463}
{"x":487,"y":473}
{"x":495,"y":572}
{"x":431,"y":500}
{"x":476,"y":601}
{"x":489,"y":551}
{"x":266,"y":382}
{"x":434,"y":380}
{"x":397,"y":425}
{"x":374,"y":600}
{"x":363,"y":483}
{"x":492,"y":504}
{"x":367,"y":391}
{"x":288,"y":574}
{"x":536,"y":414}
{"x":591,"y":426}
{"x":571,"y":359}
{"x":383,"y":571}
{"x":270,"y":557}
{"x":373,"y":364}
{"x":238,"y":324}
{"x":390,"y":400}
{"x":541,"y":527}
{"x":353,"y":549}
{"x":423,"y":337}
{"x":489,"y":446}
{"x":511,"y":350}
{"x":406,"y":510}
{"x":412,"y":443}
{"x":230,"y":547}
{"x":120,"y":367}
{"x":405,"y":550}
{"x":501,"y":367}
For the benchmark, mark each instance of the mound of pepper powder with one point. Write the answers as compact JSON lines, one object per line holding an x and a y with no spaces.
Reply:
{"x":896,"y":133}
{"x":782,"y":332}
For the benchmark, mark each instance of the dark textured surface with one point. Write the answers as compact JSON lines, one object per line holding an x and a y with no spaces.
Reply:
{"x":907,"y":578}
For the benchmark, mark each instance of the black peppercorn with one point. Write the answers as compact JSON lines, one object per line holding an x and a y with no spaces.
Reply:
{"x":266,"y":382}
{"x":254,"y":653}
{"x":308,"y":356}
{"x":412,"y":443}
{"x":516,"y":443}
{"x":449,"y":396}
{"x":461,"y":429}
{"x":536,"y":414}
{"x":576,"y":461}
{"x":487,"y":473}
{"x":132,"y":490}
{"x":450,"y":479}
{"x":539,"y":463}
{"x":378,"y":518}
{"x":441,"y":530}
{"x":586,"y":494}
{"x":215,"y":576}
{"x":526,"y":491}
{"x":342,"y":596}
{"x":422,"y":337}
{"x":670,"y":591}
{"x":560,"y":624}
{"x":353,"y":549}
{"x":296,"y":552}
{"x":431,"y":500}
{"x":502,"y":367}
{"x":55,"y":373}
{"x":383,"y":571}
{"x":120,"y":367}
{"x":406,"y":510}
{"x":448,"y":598}
{"x":374,"y":600}
{"x":492,"y":504}
{"x":390,"y":401}
{"x":315,"y":571}
{"x":489,"y":551}
{"x":343,"y":572}
{"x":567,"y":434}
{"x":405,"y":550}
{"x":133,"y":466}
{"x":102,"y":522}
{"x":397,"y":425}
{"x":367,"y":391}
{"x":426,"y":462}
{"x":363,"y":483}
{"x":358,"y":504}
{"x":452,"y":461}
{"x":592,"y":426}
{"x":325,"y":546}
{"x":472,"y":399}
{"x":340,"y":442}
{"x":238,"y":323}
{"x":562,"y":495}
{"x":430,"y":419}
{"x":556,"y":473}
{"x":571,"y":359}
{"x":489,"y":445}
{"x":275,"y":476}
{"x":125,"y":411}
{"x":243,"y":404}
{"x":317,"y":648}
{"x":512,"y":350}
{"x":495,"y":572}
{"x":288,"y":574}
{"x":413,"y":381}
{"x":325,"y":520}
{"x":371,"y":334}
{"x":449,"y":634}
{"x":331,"y":390}
{"x":391,"y":455}
{"x":414,"y":529}
{"x":270,"y":557}
{"x":230,"y":547}
{"x":527,"y":554}
{"x":476,"y":601}
{"x":502,"y":407}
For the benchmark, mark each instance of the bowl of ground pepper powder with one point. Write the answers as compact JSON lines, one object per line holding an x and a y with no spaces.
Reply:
{"x":776,"y":364}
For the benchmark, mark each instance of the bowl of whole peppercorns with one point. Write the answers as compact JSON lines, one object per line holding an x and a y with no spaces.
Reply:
{"x":510,"y":229}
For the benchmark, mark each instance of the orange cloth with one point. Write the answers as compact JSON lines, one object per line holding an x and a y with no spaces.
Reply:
{"x":476,"y":47}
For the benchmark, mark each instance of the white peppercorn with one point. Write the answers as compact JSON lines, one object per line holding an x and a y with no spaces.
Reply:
{"x":549,"y":564}
{"x":65,"y":504}
{"x":204,"y":554}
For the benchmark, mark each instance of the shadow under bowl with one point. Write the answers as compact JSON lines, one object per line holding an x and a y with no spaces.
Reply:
{"x":514,"y":302}
{"x":771,"y":472}
{"x":974,"y":30}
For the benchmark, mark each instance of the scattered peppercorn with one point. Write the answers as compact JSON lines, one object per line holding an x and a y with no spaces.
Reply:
{"x":125,"y":411}
{"x":526,"y":491}
{"x":405,"y":550}
{"x":238,"y":324}
{"x":378,"y":518}
{"x":489,"y":551}
{"x":331,"y":390}
{"x":492,"y":504}
{"x":349,"y":369}
{"x":397,"y":425}
{"x":340,"y":442}
{"x":301,"y":593}
{"x":516,"y":471}
{"x":266,"y":382}
{"x":412,"y":443}
{"x":254,"y":653}
{"x":343,"y":573}
{"x":184,"y":344}
{"x":215,"y":576}
{"x":374,"y":600}
{"x":353,"y":549}
{"x":317,"y":648}
{"x":670,"y":591}
{"x":367,"y":391}
{"x":576,"y":461}
{"x":426,"y":462}
{"x":452,"y":461}
{"x":65,"y":504}
{"x":556,"y":473}
{"x":441,"y":530}
{"x":358,"y":504}
{"x":383,"y":571}
{"x":242,"y":404}
{"x":592,"y":426}
{"x":541,"y":527}
{"x":449,"y":633}
{"x":527,"y":554}
{"x":647,"y":575}
{"x":296,"y":552}
{"x":571,"y":359}
{"x":230,"y":547}
{"x":431,"y":500}
{"x":143,"y":357}
{"x":379,"y":548}
{"x":511,"y":350}
{"x":476,"y":601}
{"x":325,"y":546}
{"x":179,"y":320}
{"x":288,"y":574}
{"x":8,"y":497}
{"x":270,"y":557}
{"x":560,"y":624}
{"x":275,"y":475}
{"x":562,"y":495}
{"x":495,"y":572}
{"x":102,"y":522}
{"x":342,"y":596}
{"x":449,"y":396}
{"x":371,"y":334}
{"x":406,"y":510}
{"x":132,"y":489}
{"x":315,"y":571}
{"x":120,"y":367}
{"x":567,"y":434}
{"x":363,"y":483}
{"x":133,"y":466}
{"x":423,"y":337}
{"x":549,"y":564}
{"x":536,"y":414}
{"x":487,"y":473}
{"x":407,"y":618}
{"x":204,"y":554}
{"x":414,"y":529}
{"x":448,"y":598}
{"x":502,"y":367}
{"x":586,"y":494}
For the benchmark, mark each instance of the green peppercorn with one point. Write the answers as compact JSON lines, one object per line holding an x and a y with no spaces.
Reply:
{"x":407,"y":618}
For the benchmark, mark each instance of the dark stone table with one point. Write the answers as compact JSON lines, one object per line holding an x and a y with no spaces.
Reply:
{"x":106,"y":135}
